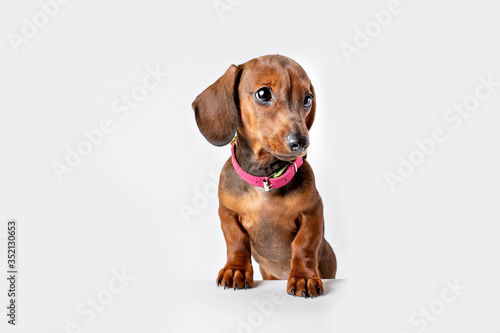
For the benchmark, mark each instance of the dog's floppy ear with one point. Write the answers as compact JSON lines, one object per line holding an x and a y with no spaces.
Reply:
{"x":312,"y":112}
{"x":216,"y":110}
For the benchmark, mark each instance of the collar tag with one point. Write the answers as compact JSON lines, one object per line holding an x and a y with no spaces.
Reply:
{"x":267,"y":186}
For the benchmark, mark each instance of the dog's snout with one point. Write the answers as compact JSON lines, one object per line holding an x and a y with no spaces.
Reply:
{"x":297,"y":143}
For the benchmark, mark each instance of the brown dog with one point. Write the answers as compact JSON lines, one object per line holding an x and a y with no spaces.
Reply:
{"x":269,"y":103}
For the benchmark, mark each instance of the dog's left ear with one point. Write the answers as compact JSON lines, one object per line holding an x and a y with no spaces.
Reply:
{"x":312,"y":112}
{"x":216,"y":108}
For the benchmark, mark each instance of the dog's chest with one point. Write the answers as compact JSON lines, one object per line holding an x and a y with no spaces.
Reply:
{"x":271,"y":223}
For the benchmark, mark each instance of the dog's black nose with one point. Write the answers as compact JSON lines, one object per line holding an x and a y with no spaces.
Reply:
{"x":297,"y":143}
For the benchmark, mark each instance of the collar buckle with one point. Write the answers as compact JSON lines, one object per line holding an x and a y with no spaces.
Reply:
{"x":267,"y":186}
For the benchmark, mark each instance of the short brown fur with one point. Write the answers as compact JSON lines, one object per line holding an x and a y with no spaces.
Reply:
{"x":283,"y":229}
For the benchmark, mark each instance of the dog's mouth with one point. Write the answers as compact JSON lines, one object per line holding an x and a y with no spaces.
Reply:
{"x":290,"y":157}
{"x":285,"y":157}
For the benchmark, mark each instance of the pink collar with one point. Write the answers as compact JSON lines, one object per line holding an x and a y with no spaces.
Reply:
{"x":268,"y":183}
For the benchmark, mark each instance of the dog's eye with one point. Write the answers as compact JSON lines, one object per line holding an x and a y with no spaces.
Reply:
{"x":308,"y":101}
{"x":264,"y":95}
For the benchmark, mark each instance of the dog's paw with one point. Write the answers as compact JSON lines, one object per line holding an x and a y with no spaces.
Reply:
{"x":235,"y":278}
{"x":304,"y":286}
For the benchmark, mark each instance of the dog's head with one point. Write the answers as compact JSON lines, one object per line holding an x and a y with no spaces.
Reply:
{"x":269,"y":100}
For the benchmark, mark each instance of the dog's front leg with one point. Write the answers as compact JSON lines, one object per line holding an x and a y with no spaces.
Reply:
{"x":304,"y":279}
{"x":238,"y":271}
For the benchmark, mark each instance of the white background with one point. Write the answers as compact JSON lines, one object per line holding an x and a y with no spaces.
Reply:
{"x":121,"y":207}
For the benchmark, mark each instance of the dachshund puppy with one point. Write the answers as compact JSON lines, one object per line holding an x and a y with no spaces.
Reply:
{"x":269,"y":206}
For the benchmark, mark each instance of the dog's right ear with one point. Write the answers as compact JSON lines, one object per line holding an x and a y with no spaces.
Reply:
{"x":216,"y":108}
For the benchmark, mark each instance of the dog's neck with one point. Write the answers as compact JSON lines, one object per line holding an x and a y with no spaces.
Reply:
{"x":255,"y":160}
